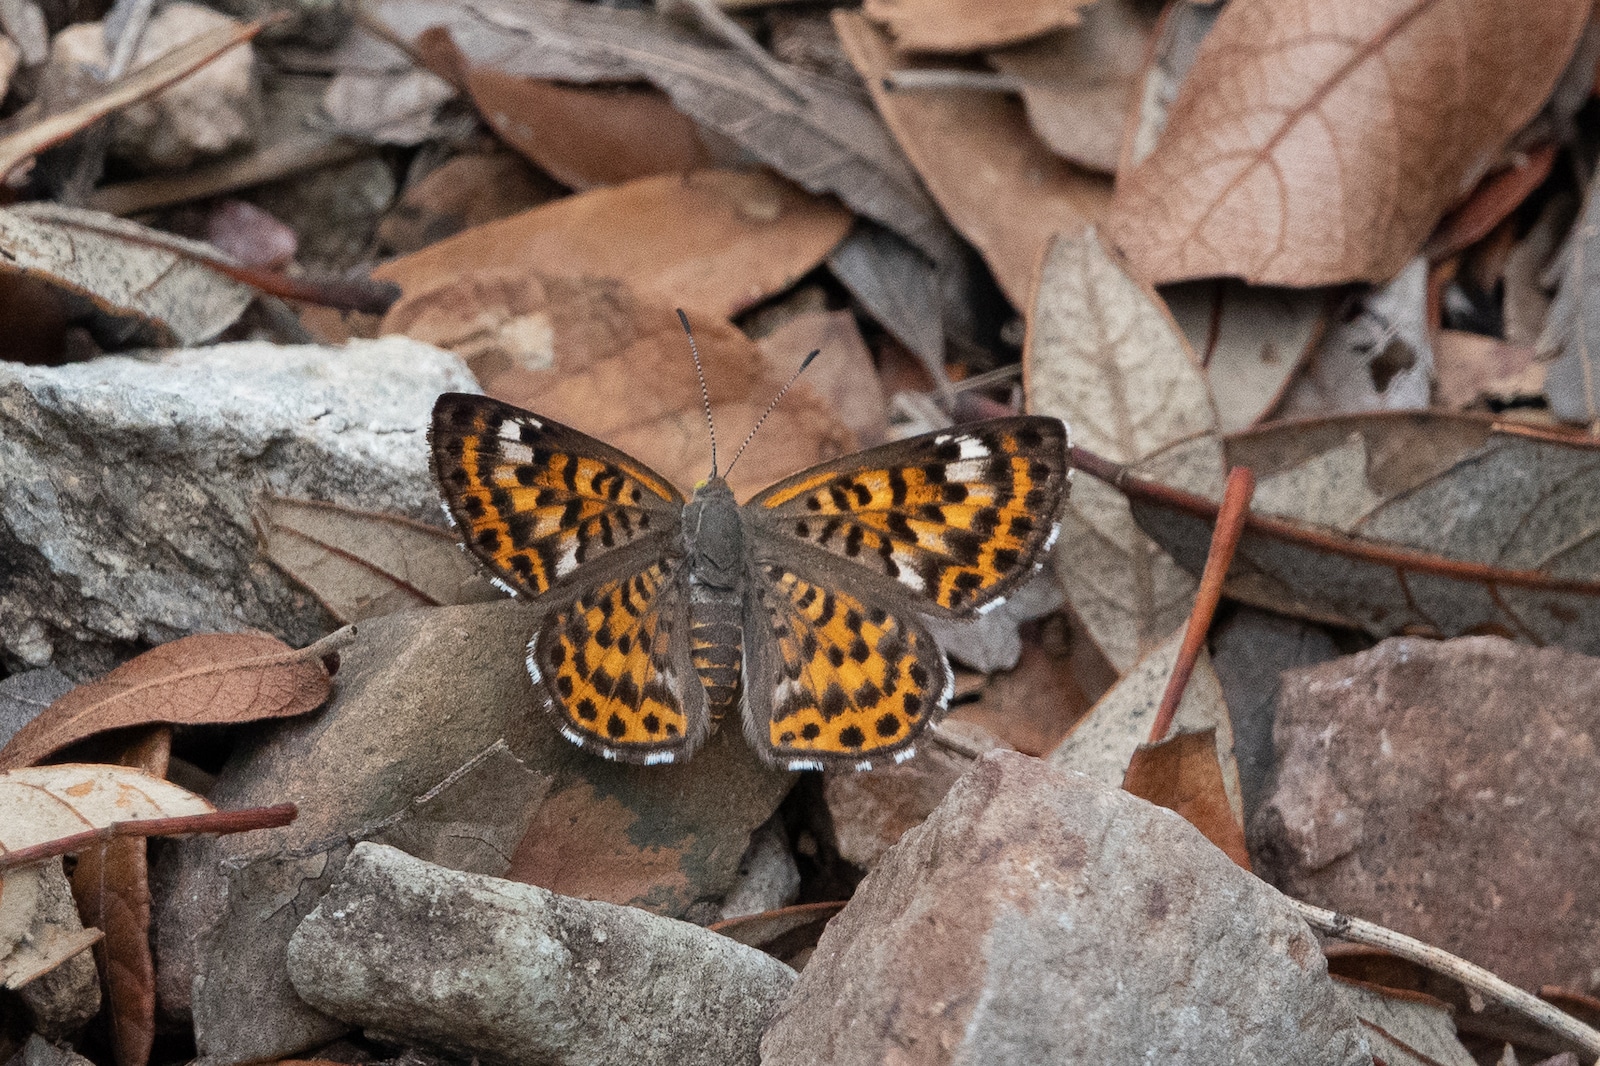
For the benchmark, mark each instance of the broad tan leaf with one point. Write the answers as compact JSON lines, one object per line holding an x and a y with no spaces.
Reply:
{"x":1250,"y":339}
{"x":1427,"y":523}
{"x":112,"y":887}
{"x":1314,"y":144}
{"x":136,"y":85}
{"x":45,"y":803}
{"x":1081,"y":85}
{"x":713,"y":241}
{"x":1000,"y":187}
{"x":956,"y":26}
{"x":1103,"y":354}
{"x":799,"y":124}
{"x":362,"y":565}
{"x":1182,"y":774}
{"x":615,"y":364}
{"x":206,"y":679}
{"x":126,"y":268}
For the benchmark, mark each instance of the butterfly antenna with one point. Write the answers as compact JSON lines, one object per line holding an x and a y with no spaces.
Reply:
{"x":803,"y":364}
{"x":705,"y":397}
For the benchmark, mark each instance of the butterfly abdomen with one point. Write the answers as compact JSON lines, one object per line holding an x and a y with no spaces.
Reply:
{"x":716,"y":644}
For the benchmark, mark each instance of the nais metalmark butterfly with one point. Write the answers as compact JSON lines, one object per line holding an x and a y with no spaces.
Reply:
{"x":658,"y":616}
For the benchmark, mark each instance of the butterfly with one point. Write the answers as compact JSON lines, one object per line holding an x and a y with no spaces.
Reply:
{"x":659,"y":615}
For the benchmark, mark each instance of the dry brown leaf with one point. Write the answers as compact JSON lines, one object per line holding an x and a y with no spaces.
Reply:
{"x":466,"y":190}
{"x":124,"y":267}
{"x":958,"y":26}
{"x":1315,"y":143}
{"x":1031,"y":706}
{"x":712,"y":241}
{"x":1080,"y":85}
{"x":1250,"y":340}
{"x":362,"y":565}
{"x":843,"y":375}
{"x":594,"y":355}
{"x":111,"y":885}
{"x":1000,"y":187}
{"x":1181,"y":774}
{"x":804,"y":126}
{"x":137,"y":85}
{"x":1405,"y":1028}
{"x":788,"y":934}
{"x":210,"y":678}
{"x":588,"y":135}
{"x":1418,"y":524}
{"x":1103,"y":743}
{"x":1103,"y":354}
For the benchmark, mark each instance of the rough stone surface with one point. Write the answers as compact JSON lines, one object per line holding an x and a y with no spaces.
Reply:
{"x":24,"y":695}
{"x":513,"y":973}
{"x":1038,"y":917}
{"x":67,"y":998}
{"x":212,"y":111}
{"x":768,"y":875}
{"x":417,"y":695}
{"x":1476,"y":749}
{"x":126,"y":486}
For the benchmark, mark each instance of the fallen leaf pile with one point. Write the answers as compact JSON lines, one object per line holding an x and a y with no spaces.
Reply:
{"x":274,"y":781}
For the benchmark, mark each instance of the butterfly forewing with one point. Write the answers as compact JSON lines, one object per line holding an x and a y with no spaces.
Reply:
{"x":957,"y":517}
{"x":834,"y":676}
{"x":615,"y":665}
{"x":536,"y":500}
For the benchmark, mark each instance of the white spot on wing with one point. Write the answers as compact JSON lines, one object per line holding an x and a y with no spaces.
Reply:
{"x":973,"y":448}
{"x":656,"y":758}
{"x":502,"y":586}
{"x":864,"y":764}
{"x":533,"y":666}
{"x":903,"y":754}
{"x":966,"y":469}
{"x":576,"y":738}
{"x":908,"y":575}
{"x":448,"y":517}
{"x":949,"y":683}
{"x":991,"y":605}
{"x":511,"y":429}
{"x":1050,"y":541}
{"x":804,"y":764}
{"x":569,"y":559}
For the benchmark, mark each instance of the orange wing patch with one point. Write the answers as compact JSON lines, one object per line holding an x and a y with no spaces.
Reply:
{"x":850,"y":681}
{"x":535,"y":500}
{"x":610,"y":664}
{"x":957,"y":517}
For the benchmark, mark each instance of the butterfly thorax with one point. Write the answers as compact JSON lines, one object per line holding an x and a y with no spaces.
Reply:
{"x":713,"y":539}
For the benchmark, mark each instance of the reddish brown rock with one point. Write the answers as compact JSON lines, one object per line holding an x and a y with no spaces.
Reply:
{"x":1450,"y":790}
{"x":1039,"y":917}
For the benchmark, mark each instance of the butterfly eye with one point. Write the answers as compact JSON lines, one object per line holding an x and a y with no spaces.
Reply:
{"x":698,"y":485}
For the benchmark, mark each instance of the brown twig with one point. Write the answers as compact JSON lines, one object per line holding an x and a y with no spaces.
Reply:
{"x":240,"y":821}
{"x":1478,"y":979}
{"x":1224,"y":542}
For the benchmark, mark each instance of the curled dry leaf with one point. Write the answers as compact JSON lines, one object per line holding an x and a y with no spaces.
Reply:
{"x":112,"y":887}
{"x":206,"y":679}
{"x":1279,"y":160}
{"x":126,"y":268}
{"x":713,"y":241}
{"x":1102,"y":354}
{"x":361,"y":565}
{"x":788,"y":934}
{"x":603,"y":360}
{"x":955,"y":26}
{"x":1080,"y":85}
{"x":818,"y":136}
{"x":1183,"y":775}
{"x":1103,"y":744}
{"x":1428,"y":523}
{"x":1001,"y":188}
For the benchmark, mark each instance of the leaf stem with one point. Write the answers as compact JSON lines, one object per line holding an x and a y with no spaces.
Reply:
{"x":239,"y":821}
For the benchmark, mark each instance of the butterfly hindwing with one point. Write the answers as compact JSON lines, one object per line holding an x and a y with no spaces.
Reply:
{"x":833,"y":677}
{"x":615,"y":667}
{"x":536,"y":500}
{"x":957,"y":518}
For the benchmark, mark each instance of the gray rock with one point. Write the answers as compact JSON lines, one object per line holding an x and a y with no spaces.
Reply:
{"x":1477,"y":749}
{"x":418,"y":694}
{"x":40,"y":1052}
{"x":513,"y":973}
{"x":67,"y":997}
{"x":127,"y":484}
{"x":768,"y":875}
{"x":24,"y":695}
{"x":1039,"y":917}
